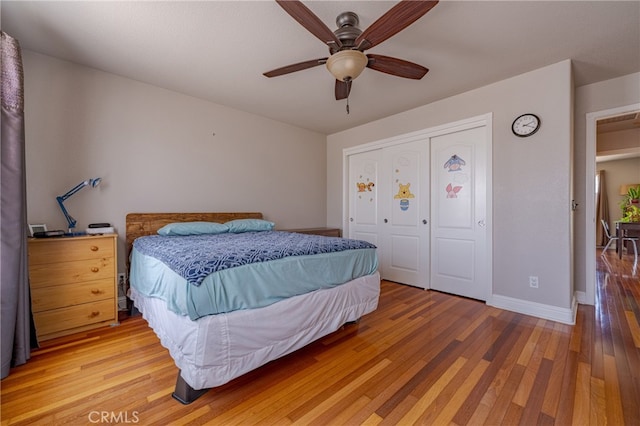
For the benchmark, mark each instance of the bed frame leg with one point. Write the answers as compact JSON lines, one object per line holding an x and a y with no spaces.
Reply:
{"x":185,"y":393}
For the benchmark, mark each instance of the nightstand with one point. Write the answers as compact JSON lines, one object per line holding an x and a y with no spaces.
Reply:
{"x":73,"y":283}
{"x":327,"y":232}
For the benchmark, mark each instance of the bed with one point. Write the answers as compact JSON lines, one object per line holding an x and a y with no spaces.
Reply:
{"x":214,"y":342}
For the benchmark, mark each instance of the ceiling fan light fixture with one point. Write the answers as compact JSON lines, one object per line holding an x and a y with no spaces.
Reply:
{"x":347,"y":64}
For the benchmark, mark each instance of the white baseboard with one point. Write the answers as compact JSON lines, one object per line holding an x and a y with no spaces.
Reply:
{"x":581,"y":297}
{"x":540,"y":310}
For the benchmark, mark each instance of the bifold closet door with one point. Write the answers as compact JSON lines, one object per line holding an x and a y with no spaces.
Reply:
{"x":459,"y":220}
{"x":363,"y":197}
{"x":404,"y":230}
{"x":388,"y":206}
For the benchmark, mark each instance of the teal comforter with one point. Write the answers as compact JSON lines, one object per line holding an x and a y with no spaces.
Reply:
{"x":254,"y":284}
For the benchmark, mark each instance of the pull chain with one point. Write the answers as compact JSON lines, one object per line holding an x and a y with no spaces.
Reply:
{"x":347,"y":82}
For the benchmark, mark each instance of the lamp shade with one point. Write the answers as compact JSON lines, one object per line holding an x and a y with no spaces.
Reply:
{"x":624,"y":189}
{"x":347,"y":64}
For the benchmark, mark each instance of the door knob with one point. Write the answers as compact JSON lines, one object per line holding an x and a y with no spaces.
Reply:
{"x":385,"y":221}
{"x":350,"y":219}
{"x":481,"y":223}
{"x":424,"y":221}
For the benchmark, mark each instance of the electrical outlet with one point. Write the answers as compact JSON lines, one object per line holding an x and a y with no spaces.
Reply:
{"x":533,"y":282}
{"x":122,"y":284}
{"x":122,"y":291}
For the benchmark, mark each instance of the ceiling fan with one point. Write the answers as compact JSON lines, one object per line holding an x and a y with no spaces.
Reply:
{"x":348,"y":42}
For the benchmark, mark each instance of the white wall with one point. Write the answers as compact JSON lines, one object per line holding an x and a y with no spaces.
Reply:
{"x":156,"y":152}
{"x":531,"y":177}
{"x":609,"y":94}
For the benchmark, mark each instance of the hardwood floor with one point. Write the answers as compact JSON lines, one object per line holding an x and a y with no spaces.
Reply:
{"x":423,"y":357}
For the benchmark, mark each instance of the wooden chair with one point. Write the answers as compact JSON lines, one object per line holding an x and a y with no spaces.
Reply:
{"x":612,"y":238}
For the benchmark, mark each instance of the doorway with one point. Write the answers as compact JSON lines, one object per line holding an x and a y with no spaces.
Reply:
{"x":590,"y":219}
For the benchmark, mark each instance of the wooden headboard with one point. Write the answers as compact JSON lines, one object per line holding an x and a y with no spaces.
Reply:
{"x":141,"y":224}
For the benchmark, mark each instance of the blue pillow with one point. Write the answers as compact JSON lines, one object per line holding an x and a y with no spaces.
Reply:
{"x":249,"y":225}
{"x":193,"y":228}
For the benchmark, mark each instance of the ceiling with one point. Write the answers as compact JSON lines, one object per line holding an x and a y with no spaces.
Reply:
{"x":218,"y":50}
{"x":619,"y":123}
{"x":618,"y":148}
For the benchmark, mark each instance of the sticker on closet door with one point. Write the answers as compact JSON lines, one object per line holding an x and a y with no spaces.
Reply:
{"x":452,"y":191}
{"x":454,"y":163}
{"x":404,"y":193}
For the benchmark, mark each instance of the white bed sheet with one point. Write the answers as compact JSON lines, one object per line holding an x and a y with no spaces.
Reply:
{"x":215,"y":349}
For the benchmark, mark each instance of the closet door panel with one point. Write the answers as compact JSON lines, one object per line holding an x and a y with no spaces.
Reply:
{"x":404,"y":203}
{"x":364,"y":169}
{"x":459,"y":217}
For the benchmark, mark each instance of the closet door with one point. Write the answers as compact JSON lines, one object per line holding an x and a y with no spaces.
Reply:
{"x":459,"y":262}
{"x":404,"y":200}
{"x":364,"y":169}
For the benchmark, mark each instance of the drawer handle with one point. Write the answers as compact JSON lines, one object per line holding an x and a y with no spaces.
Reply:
{"x":94,"y":248}
{"x":94,"y":314}
{"x":97,"y":291}
{"x":94,"y":269}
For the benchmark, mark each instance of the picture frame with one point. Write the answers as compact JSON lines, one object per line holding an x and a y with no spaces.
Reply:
{"x":39,"y":227}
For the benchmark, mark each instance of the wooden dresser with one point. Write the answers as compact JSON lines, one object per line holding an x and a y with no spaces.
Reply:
{"x":327,"y":232}
{"x":73,"y":283}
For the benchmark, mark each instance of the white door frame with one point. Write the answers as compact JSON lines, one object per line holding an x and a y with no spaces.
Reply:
{"x":590,"y":197}
{"x":480,"y":120}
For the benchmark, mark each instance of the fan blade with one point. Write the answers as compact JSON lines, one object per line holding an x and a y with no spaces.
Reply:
{"x":397,"y":67}
{"x":395,"y":20}
{"x":343,"y":88}
{"x":310,"y":21}
{"x":295,"y":67}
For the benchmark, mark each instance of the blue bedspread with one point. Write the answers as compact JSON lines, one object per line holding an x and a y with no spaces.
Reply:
{"x":195,"y":257}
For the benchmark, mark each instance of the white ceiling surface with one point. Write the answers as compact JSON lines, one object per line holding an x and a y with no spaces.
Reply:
{"x":218,"y":50}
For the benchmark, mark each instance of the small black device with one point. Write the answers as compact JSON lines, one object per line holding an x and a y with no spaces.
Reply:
{"x":48,"y":234}
{"x":99,"y":225}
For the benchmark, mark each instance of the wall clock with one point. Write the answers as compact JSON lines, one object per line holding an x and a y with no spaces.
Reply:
{"x":525,"y":125}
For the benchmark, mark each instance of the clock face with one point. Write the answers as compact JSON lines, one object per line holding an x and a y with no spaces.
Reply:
{"x":525,"y":125}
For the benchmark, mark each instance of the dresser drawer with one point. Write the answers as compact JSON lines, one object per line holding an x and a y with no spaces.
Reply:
{"x":54,"y":250}
{"x":56,"y":320}
{"x":47,"y":298}
{"x":55,"y":274}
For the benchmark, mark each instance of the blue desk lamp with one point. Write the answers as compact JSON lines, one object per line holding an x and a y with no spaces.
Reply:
{"x":61,"y":199}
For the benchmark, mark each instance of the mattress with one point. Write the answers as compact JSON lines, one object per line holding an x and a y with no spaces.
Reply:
{"x":252,"y":284}
{"x":215,"y":349}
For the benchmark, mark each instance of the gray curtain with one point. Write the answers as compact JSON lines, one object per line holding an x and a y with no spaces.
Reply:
{"x":14,"y":285}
